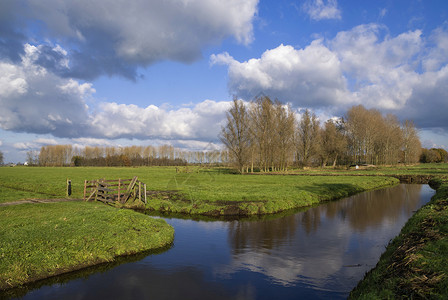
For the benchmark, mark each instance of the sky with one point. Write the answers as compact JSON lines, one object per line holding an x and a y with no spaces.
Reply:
{"x":139,"y":72}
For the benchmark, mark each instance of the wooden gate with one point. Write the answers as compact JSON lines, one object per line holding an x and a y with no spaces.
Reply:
{"x":110,"y":191}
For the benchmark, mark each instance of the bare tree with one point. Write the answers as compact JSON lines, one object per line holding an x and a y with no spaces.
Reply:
{"x":333,"y":143}
{"x":235,"y":134}
{"x":411,"y":143}
{"x":284,"y":135}
{"x":307,"y":138}
{"x":262,"y":130}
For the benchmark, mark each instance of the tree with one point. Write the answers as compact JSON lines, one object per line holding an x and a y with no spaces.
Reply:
{"x":1,"y":158}
{"x":411,"y":143}
{"x":442,"y":153}
{"x":235,"y":134}
{"x":284,"y":134}
{"x":333,"y":143}
{"x":307,"y":138}
{"x":32,"y":157}
{"x":262,"y":130}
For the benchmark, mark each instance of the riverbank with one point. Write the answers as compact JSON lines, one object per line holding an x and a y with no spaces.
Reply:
{"x":41,"y":240}
{"x":194,"y":191}
{"x":209,"y":192}
{"x":240,"y":195}
{"x":414,"y":264}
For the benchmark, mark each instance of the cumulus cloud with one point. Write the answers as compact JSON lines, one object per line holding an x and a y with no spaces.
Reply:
{"x":35,"y":100}
{"x":202,"y":122}
{"x":306,"y":77}
{"x":383,"y":71}
{"x":38,"y":101}
{"x":321,"y":9}
{"x":364,"y":65}
{"x":34,"y":144}
{"x":119,"y":36}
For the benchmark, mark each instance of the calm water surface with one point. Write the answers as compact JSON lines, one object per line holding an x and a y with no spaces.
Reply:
{"x":320,"y":253}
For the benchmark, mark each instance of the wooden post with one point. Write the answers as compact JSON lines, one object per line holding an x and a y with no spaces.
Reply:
{"x":68,"y":190}
{"x":140,"y":191}
{"x":85,"y":187}
{"x":119,"y":186}
{"x":144,"y":188}
{"x":96,"y":194}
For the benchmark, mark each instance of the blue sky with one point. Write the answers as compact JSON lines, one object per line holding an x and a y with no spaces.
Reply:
{"x":153,"y":72}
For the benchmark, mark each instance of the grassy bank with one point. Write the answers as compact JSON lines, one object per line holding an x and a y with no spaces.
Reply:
{"x":415,"y":263}
{"x":41,"y":240}
{"x":253,"y":195}
{"x":433,"y":169}
{"x":193,"y":191}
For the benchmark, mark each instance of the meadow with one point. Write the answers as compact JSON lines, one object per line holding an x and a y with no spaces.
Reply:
{"x":192,"y":190}
{"x":42,"y":240}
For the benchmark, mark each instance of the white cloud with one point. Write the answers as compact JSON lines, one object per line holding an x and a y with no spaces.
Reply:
{"x":202,"y":122}
{"x":322,"y":9}
{"x":115,"y":37}
{"x":45,"y":103}
{"x":44,"y":141}
{"x":35,"y":100}
{"x":363,"y":65}
{"x":306,"y":77}
{"x":438,"y":54}
{"x":35,"y":144}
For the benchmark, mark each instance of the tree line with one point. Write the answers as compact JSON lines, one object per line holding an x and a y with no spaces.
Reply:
{"x":434,"y":155}
{"x":266,"y":135}
{"x":164,"y":155}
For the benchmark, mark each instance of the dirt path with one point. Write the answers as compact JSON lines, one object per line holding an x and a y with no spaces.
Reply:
{"x":38,"y":201}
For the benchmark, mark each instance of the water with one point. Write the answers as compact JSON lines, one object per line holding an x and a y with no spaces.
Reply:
{"x":320,"y":253}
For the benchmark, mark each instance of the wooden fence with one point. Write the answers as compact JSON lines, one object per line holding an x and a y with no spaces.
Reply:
{"x":109,"y":191}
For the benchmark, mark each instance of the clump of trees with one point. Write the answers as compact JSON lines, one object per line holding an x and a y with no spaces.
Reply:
{"x":260,"y":136}
{"x":1,"y":158}
{"x":434,"y":155}
{"x":165,"y":155}
{"x":267,"y":135}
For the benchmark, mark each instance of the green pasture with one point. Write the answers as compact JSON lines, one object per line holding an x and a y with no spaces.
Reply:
{"x":41,"y":240}
{"x":196,"y":190}
{"x":433,"y":169}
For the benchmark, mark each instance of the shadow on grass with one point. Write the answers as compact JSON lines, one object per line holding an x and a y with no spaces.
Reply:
{"x":331,"y":190}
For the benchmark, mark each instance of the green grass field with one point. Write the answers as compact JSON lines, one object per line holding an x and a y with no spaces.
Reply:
{"x":204,"y":191}
{"x":433,"y":169}
{"x":41,"y":240}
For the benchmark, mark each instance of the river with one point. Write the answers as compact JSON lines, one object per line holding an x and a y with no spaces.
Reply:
{"x":319,"y":253}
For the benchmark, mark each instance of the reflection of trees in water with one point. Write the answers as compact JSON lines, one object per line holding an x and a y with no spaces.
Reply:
{"x":376,"y":207}
{"x":362,"y":211}
{"x":262,"y":234}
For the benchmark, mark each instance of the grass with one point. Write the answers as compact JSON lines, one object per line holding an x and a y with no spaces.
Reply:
{"x":42,"y":240}
{"x":249,"y":195}
{"x":207,"y":192}
{"x":433,"y":169}
{"x":415,"y":264}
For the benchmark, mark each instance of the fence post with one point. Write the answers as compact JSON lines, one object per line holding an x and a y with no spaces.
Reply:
{"x":119,"y":186}
{"x":85,"y":187}
{"x":140,"y":191}
{"x":68,"y":191}
{"x":144,"y":188}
